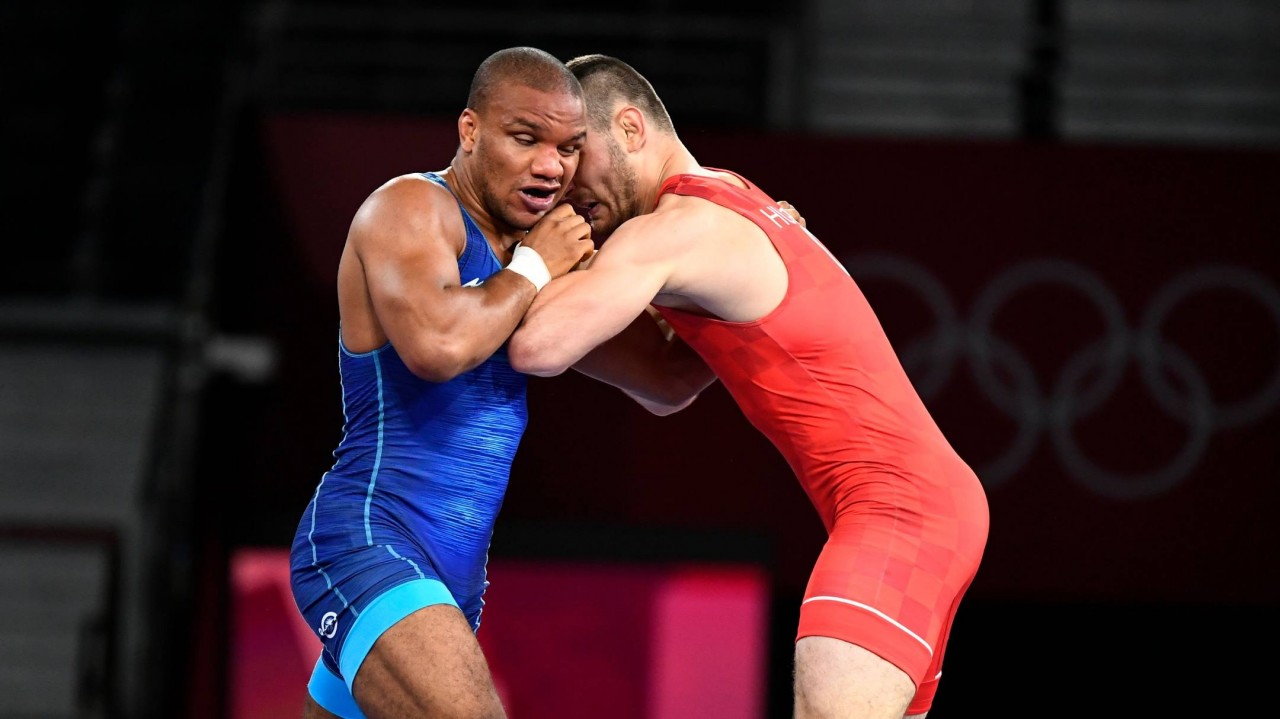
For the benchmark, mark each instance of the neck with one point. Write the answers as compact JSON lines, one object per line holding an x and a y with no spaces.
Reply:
{"x":501,"y":236}
{"x":675,"y":161}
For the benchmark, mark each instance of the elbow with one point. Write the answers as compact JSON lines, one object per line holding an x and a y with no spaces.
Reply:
{"x":671,"y":405}
{"x":527,"y":358}
{"x":681,"y":384}
{"x":434,"y":371}
{"x":665,"y":410}
{"x":437,"y":364}
{"x":435,"y":374}
{"x":536,"y":368}
{"x":666,"y":403}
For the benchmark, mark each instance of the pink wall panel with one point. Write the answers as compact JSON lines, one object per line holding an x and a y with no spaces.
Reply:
{"x":564,"y":639}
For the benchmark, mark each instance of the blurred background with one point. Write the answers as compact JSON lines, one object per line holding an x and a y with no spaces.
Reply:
{"x":1066,"y":212}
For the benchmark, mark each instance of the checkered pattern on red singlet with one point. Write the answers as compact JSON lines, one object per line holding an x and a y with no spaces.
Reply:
{"x":818,"y":377}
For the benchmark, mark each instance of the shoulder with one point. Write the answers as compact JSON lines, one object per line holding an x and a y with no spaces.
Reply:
{"x":408,"y":194}
{"x":729,"y":177}
{"x":687,"y":217}
{"x":408,"y":204}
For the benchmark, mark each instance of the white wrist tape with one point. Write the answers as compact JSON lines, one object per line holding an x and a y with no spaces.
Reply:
{"x":526,"y":261}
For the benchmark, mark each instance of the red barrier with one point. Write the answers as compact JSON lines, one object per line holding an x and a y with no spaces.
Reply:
{"x":563,"y":639}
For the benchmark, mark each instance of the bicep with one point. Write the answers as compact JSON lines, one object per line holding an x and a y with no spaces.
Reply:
{"x":408,"y":246}
{"x":408,"y":271}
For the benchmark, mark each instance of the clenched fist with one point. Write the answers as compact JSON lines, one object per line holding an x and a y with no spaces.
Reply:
{"x":562,"y":238}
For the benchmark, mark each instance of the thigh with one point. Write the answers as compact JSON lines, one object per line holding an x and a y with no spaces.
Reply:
{"x":328,"y":696}
{"x":350,"y":595}
{"x":427,"y":664}
{"x":835,"y":679}
{"x":890,"y":590}
{"x":335,"y":591}
{"x":312,"y":710}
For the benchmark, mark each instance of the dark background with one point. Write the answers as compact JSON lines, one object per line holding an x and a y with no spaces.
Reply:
{"x":1064,"y":213}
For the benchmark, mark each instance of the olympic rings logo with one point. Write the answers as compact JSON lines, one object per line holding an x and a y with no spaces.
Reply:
{"x":1090,"y":376}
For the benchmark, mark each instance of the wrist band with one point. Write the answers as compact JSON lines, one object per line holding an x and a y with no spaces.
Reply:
{"x":526,"y":261}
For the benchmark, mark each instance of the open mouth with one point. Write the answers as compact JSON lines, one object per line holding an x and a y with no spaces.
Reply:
{"x":538,"y":199}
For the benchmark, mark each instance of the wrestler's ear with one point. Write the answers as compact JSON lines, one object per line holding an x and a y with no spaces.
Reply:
{"x":468,"y":126}
{"x":631,"y":123}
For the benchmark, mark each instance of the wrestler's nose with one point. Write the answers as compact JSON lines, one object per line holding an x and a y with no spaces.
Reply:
{"x":549,"y":164}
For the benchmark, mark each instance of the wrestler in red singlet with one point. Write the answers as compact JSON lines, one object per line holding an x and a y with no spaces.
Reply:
{"x":906,"y":516}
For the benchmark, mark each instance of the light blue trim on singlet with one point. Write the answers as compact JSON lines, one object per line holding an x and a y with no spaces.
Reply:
{"x":377,"y":458}
{"x":381,"y":614}
{"x":332,"y":694}
{"x":315,"y":505}
{"x":315,"y":560}
{"x":391,"y":550}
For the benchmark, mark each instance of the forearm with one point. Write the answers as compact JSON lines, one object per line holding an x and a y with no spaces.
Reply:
{"x":467,"y":328}
{"x":585,"y":309}
{"x":560,"y":328}
{"x":655,"y":368}
{"x":680,"y":377}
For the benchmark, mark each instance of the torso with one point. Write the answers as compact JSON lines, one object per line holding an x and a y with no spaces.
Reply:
{"x":812,"y":370}
{"x":726,"y":247}
{"x":418,"y":456}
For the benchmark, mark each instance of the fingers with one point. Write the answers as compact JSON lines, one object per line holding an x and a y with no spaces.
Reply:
{"x":565,"y":220}
{"x":562,"y":238}
{"x":561,"y":211}
{"x":793,"y":212}
{"x":560,"y":219}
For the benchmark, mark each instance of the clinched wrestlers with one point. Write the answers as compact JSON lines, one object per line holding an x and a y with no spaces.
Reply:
{"x":389,"y":558}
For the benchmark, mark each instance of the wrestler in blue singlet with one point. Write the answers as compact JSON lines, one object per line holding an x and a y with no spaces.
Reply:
{"x":404,"y":518}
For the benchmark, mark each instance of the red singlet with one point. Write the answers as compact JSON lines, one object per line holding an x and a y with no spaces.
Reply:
{"x":906,"y":517}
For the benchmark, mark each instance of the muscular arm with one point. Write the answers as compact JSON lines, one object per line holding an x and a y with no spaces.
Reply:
{"x":399,"y":282}
{"x":597,"y":320}
{"x":651,"y":365}
{"x":691,"y":252}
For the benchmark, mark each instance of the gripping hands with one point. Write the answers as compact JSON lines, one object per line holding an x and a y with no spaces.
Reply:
{"x":561,"y":240}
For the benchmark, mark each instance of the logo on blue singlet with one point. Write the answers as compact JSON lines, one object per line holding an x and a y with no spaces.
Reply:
{"x":473,"y":283}
{"x":328,"y":625}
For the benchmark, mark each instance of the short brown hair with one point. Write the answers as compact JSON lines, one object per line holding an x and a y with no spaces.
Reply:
{"x":606,"y":80}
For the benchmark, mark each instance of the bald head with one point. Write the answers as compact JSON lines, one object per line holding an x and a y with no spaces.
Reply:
{"x":526,"y":66}
{"x":606,"y":81}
